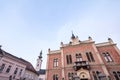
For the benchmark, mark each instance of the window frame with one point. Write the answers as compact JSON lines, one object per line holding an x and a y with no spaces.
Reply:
{"x":116,"y":75}
{"x":107,"y":57}
{"x":69,"y":59}
{"x":90,"y":57}
{"x":55,"y":77}
{"x":8,"y":69}
{"x":79,"y":57}
{"x":55,"y":62}
{"x":16,"y":70}
{"x":2,"y":67}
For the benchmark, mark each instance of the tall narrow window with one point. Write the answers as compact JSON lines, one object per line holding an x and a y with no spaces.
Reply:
{"x":69,"y":59}
{"x":20,"y":71}
{"x":15,"y":72}
{"x":116,"y":76}
{"x":107,"y":57}
{"x":95,"y":75}
{"x":10,"y":78}
{"x":55,"y":62}
{"x":8,"y":69}
{"x":92,"y":58}
{"x":70,"y":76}
{"x":2,"y":67}
{"x":79,"y":57}
{"x":88,"y":56}
{"x":55,"y":77}
{"x":118,"y":72}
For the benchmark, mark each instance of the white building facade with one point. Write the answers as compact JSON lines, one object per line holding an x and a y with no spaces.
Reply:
{"x":11,"y":67}
{"x":14,"y":68}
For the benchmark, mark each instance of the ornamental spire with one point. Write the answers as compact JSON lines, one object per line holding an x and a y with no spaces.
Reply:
{"x":40,"y":56}
{"x":73,"y":36}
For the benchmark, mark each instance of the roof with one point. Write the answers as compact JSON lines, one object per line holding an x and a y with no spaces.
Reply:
{"x":41,"y":71}
{"x":1,"y":53}
{"x":28,"y":64}
{"x":11,"y":56}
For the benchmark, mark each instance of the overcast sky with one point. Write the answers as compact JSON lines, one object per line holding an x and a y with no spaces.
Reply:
{"x":29,"y":26}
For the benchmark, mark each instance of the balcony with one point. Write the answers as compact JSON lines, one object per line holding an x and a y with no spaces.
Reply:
{"x":81,"y":64}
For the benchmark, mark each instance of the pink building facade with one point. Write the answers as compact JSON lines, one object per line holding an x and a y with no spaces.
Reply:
{"x":84,"y":60}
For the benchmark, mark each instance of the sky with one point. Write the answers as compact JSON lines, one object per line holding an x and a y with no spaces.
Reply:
{"x":29,"y":26}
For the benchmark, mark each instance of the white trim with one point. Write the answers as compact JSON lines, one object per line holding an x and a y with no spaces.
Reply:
{"x":101,"y":61}
{"x":62,"y":59}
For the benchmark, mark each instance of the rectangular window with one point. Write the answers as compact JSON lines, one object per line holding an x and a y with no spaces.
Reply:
{"x":69,"y":59}
{"x":107,"y":57}
{"x":20,"y":72}
{"x":15,"y":72}
{"x":70,"y":76}
{"x":79,"y":57}
{"x":95,"y":75}
{"x":116,"y":76}
{"x":8,"y":69}
{"x":118,"y":72}
{"x":55,"y":63}
{"x":90,"y":57}
{"x":2,"y":67}
{"x":55,"y":77}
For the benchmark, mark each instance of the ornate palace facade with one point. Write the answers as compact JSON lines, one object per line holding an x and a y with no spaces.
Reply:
{"x":84,"y":60}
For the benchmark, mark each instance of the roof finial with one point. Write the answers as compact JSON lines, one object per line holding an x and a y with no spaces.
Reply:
{"x":90,"y":38}
{"x":110,"y":40}
{"x":40,"y":56}
{"x":73,"y":36}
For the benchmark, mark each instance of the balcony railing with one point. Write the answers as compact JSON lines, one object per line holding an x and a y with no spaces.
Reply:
{"x":81,"y":64}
